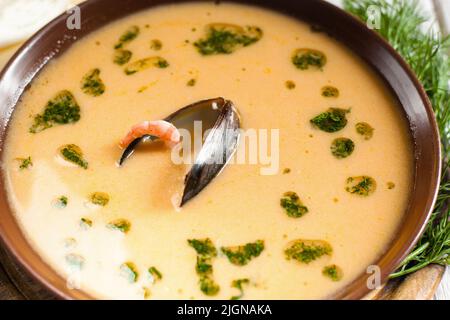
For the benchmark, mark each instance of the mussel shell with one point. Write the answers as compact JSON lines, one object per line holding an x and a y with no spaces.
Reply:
{"x":218,"y":148}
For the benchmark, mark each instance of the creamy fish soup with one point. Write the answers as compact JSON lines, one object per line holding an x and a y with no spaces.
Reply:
{"x":327,"y":209}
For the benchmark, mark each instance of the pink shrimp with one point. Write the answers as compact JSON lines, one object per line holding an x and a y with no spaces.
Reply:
{"x":164,"y":130}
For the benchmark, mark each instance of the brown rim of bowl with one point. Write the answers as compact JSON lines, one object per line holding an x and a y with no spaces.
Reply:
{"x":55,"y":38}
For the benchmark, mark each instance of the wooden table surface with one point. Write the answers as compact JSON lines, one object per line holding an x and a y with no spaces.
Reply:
{"x":16,"y":284}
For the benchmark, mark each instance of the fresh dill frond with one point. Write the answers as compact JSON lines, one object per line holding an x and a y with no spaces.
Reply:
{"x":401,"y":23}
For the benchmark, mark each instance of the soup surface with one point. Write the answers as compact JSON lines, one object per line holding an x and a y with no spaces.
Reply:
{"x":326,"y":212}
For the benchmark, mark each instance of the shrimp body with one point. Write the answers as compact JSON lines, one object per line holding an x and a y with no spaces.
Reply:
{"x":164,"y":130}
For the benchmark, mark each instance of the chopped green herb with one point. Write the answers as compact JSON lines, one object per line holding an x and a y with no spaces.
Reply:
{"x":208,"y":286}
{"x":75,"y":261}
{"x":306,"y":251}
{"x":122,"y":56}
{"x":304,"y":58}
{"x":129,"y":35}
{"x":25,"y":163}
{"x":332,"y":120}
{"x":330,"y":92}
{"x":73,"y":153}
{"x":342,"y":147}
{"x":290,"y":84}
{"x":224,"y":38}
{"x":364,"y":129}
{"x":204,"y":266}
{"x":61,"y":202}
{"x":205,"y":252}
{"x":85,"y":223}
{"x":292,"y":205}
{"x":191,"y":82}
{"x":155,"y":273}
{"x":203,"y":247}
{"x":129,"y":271}
{"x":146,"y":63}
{"x":390,"y":185}
{"x":121,"y":225}
{"x":62,"y":109}
{"x":99,"y":198}
{"x":241,"y":255}
{"x":362,"y":185}
{"x":333,"y":272}
{"x":162,"y":64}
{"x":147,"y":292}
{"x":156,"y":44}
{"x":238,"y":284}
{"x":92,"y":84}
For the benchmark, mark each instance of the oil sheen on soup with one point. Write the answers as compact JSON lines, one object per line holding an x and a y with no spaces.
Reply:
{"x":335,"y":186}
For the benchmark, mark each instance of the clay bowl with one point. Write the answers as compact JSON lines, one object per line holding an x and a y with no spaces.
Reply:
{"x":55,"y":38}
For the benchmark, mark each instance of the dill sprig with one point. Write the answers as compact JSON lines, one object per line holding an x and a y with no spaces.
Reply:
{"x":401,"y":24}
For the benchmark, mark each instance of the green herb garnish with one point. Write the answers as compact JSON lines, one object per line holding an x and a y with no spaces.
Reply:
{"x":25,"y":163}
{"x":224,"y":38}
{"x":241,"y":255}
{"x":147,"y":293}
{"x":129,"y":271}
{"x":129,"y":35}
{"x":208,"y":286}
{"x":239,"y":284}
{"x":364,"y":129}
{"x":333,"y":272}
{"x":290,"y":84}
{"x":203,"y":266}
{"x":292,"y":204}
{"x":390,"y":185}
{"x":122,"y":56}
{"x":73,"y":153}
{"x":99,"y":198}
{"x":206,"y":251}
{"x":304,"y":59}
{"x":203,"y":247}
{"x":62,"y":109}
{"x":362,"y":185}
{"x":330,"y":92}
{"x":155,"y":273}
{"x":191,"y":82}
{"x":121,"y":225}
{"x":156,"y":44}
{"x":146,"y":63}
{"x":92,"y":84}
{"x":306,"y":251}
{"x":61,"y":202}
{"x":342,"y":147}
{"x":332,"y":120}
{"x":85,"y":223}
